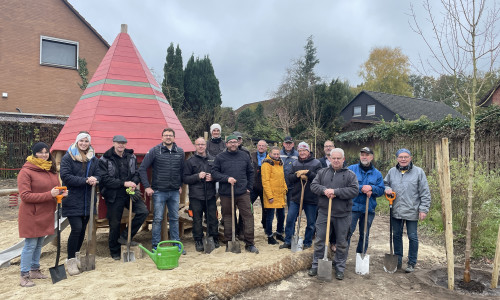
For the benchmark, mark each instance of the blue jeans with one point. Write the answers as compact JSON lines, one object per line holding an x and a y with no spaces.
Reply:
{"x":280,"y":215}
{"x":171,"y":199}
{"x":358,"y":215}
{"x":411,"y":229}
{"x":293,"y":213}
{"x":30,"y":256}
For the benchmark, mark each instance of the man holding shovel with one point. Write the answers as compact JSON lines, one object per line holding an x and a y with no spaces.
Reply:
{"x":233,"y":167}
{"x":118,"y":170}
{"x":371,"y":185}
{"x":340,"y":184}
{"x":413,"y":199}
{"x":202,"y":193}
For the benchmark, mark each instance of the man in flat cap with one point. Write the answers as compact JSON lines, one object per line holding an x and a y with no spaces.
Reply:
{"x":413,"y":199}
{"x":118,"y":169}
{"x":288,"y":155}
{"x":371,"y":186}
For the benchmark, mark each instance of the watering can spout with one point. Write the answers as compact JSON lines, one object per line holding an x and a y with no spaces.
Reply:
{"x":151,"y":254}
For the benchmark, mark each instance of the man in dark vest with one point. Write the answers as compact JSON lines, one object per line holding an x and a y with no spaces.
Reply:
{"x":167,"y":160}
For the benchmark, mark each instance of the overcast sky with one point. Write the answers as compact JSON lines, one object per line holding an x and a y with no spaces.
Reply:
{"x":251,"y":43}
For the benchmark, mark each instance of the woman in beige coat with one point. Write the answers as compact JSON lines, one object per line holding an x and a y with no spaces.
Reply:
{"x":273,"y":182}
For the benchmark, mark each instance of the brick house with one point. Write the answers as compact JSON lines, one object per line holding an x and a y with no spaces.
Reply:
{"x":39,"y":48}
{"x":492,"y":97}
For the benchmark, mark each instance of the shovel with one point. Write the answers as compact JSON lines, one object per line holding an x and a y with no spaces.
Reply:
{"x":390,"y":260}
{"x":233,"y":245}
{"x":128,"y":255}
{"x":296,"y":245}
{"x":325,"y":265}
{"x":363,"y":260}
{"x":58,"y":273}
{"x":87,"y":263}
{"x":208,"y":241}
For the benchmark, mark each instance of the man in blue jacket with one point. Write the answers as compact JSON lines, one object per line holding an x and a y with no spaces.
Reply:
{"x":167,"y":160}
{"x":371,"y":185}
{"x":288,"y":155}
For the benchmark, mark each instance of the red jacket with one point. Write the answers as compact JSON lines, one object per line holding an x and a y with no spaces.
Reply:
{"x":36,"y":212}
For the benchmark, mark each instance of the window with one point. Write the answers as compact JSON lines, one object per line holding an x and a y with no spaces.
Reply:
{"x":58,"y":53}
{"x":357,"y":111}
{"x":370,"y":110}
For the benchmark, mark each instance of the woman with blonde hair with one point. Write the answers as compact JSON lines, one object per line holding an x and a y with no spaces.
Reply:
{"x":79,"y":172}
{"x":37,"y":182}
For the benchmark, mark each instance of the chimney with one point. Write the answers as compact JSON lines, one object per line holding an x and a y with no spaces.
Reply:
{"x":124,"y":28}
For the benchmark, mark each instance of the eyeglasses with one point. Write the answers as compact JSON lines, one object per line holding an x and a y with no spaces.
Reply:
{"x":200,"y":144}
{"x":403,"y":157}
{"x":168,"y":135}
{"x":233,"y":142}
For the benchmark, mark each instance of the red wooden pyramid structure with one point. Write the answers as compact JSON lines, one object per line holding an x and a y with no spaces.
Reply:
{"x":123,"y":98}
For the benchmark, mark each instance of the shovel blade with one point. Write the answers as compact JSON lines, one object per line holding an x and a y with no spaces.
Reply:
{"x":57,"y":273}
{"x":362,"y":264}
{"x":296,"y":245}
{"x":208,"y":244}
{"x":390,"y":263}
{"x":233,"y":247}
{"x":325,"y":270}
{"x":87,"y":262}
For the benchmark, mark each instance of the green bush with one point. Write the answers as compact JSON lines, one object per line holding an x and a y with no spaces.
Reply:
{"x":485,"y":207}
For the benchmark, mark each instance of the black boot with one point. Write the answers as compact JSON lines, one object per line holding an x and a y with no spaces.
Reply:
{"x":216,"y":242}
{"x":199,"y":246}
{"x":271,"y":241}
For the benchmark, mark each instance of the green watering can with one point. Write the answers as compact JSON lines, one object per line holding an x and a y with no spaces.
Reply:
{"x":165,"y":257}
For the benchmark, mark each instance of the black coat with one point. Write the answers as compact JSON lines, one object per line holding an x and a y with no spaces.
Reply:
{"x":192,"y":168}
{"x":167,"y":168}
{"x":111,"y":185}
{"x":233,"y":164}
{"x":311,"y":164}
{"x":74,"y":175}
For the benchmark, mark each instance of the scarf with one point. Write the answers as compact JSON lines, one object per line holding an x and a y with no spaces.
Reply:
{"x":260,"y":157}
{"x":41,"y":163}
{"x":76,"y":155}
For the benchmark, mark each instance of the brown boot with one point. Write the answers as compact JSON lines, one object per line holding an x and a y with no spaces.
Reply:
{"x":37,"y":274}
{"x":26,"y":281}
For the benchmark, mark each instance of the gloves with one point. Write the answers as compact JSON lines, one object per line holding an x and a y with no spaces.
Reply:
{"x":299,"y":173}
{"x":303,"y":177}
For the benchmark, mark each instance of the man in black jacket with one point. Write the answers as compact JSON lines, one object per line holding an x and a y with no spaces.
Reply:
{"x":257,"y":190}
{"x":234,"y":168}
{"x":118,"y":170}
{"x":340,"y":184}
{"x":167,"y":160}
{"x":201,"y":193}
{"x":303,"y":169}
{"x":215,"y":145}
{"x":327,"y":147}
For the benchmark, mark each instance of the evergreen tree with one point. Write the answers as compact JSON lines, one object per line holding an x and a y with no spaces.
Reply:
{"x":173,"y":78}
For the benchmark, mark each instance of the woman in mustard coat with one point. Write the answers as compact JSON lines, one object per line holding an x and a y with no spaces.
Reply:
{"x":273,"y":182}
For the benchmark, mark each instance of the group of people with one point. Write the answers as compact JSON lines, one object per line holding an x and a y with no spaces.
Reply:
{"x":280,"y":178}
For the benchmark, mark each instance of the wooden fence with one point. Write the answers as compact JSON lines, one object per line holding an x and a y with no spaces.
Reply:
{"x":16,"y":140}
{"x":487,"y":150}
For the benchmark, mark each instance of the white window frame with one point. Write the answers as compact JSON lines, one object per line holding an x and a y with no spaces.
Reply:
{"x":53,"y":39}
{"x":368,"y":110}
{"x":354,"y":111}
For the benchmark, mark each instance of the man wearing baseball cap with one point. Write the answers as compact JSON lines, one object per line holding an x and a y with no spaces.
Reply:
{"x":233,"y":167}
{"x":288,"y":155}
{"x":371,"y":185}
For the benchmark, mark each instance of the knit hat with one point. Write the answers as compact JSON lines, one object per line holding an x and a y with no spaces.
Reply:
{"x":215,"y":126}
{"x":39,"y":147}
{"x":303,"y":146}
{"x":231,"y":137}
{"x":82,"y":136}
{"x":403,"y":150}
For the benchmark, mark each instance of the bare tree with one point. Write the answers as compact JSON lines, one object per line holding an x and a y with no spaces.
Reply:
{"x":463,"y":43}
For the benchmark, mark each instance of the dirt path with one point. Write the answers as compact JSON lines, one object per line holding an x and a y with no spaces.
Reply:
{"x":113,"y":279}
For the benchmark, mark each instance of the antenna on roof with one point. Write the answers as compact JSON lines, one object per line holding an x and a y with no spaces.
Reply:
{"x":124,"y":28}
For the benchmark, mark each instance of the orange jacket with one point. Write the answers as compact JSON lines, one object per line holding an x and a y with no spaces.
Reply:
{"x":273,"y":182}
